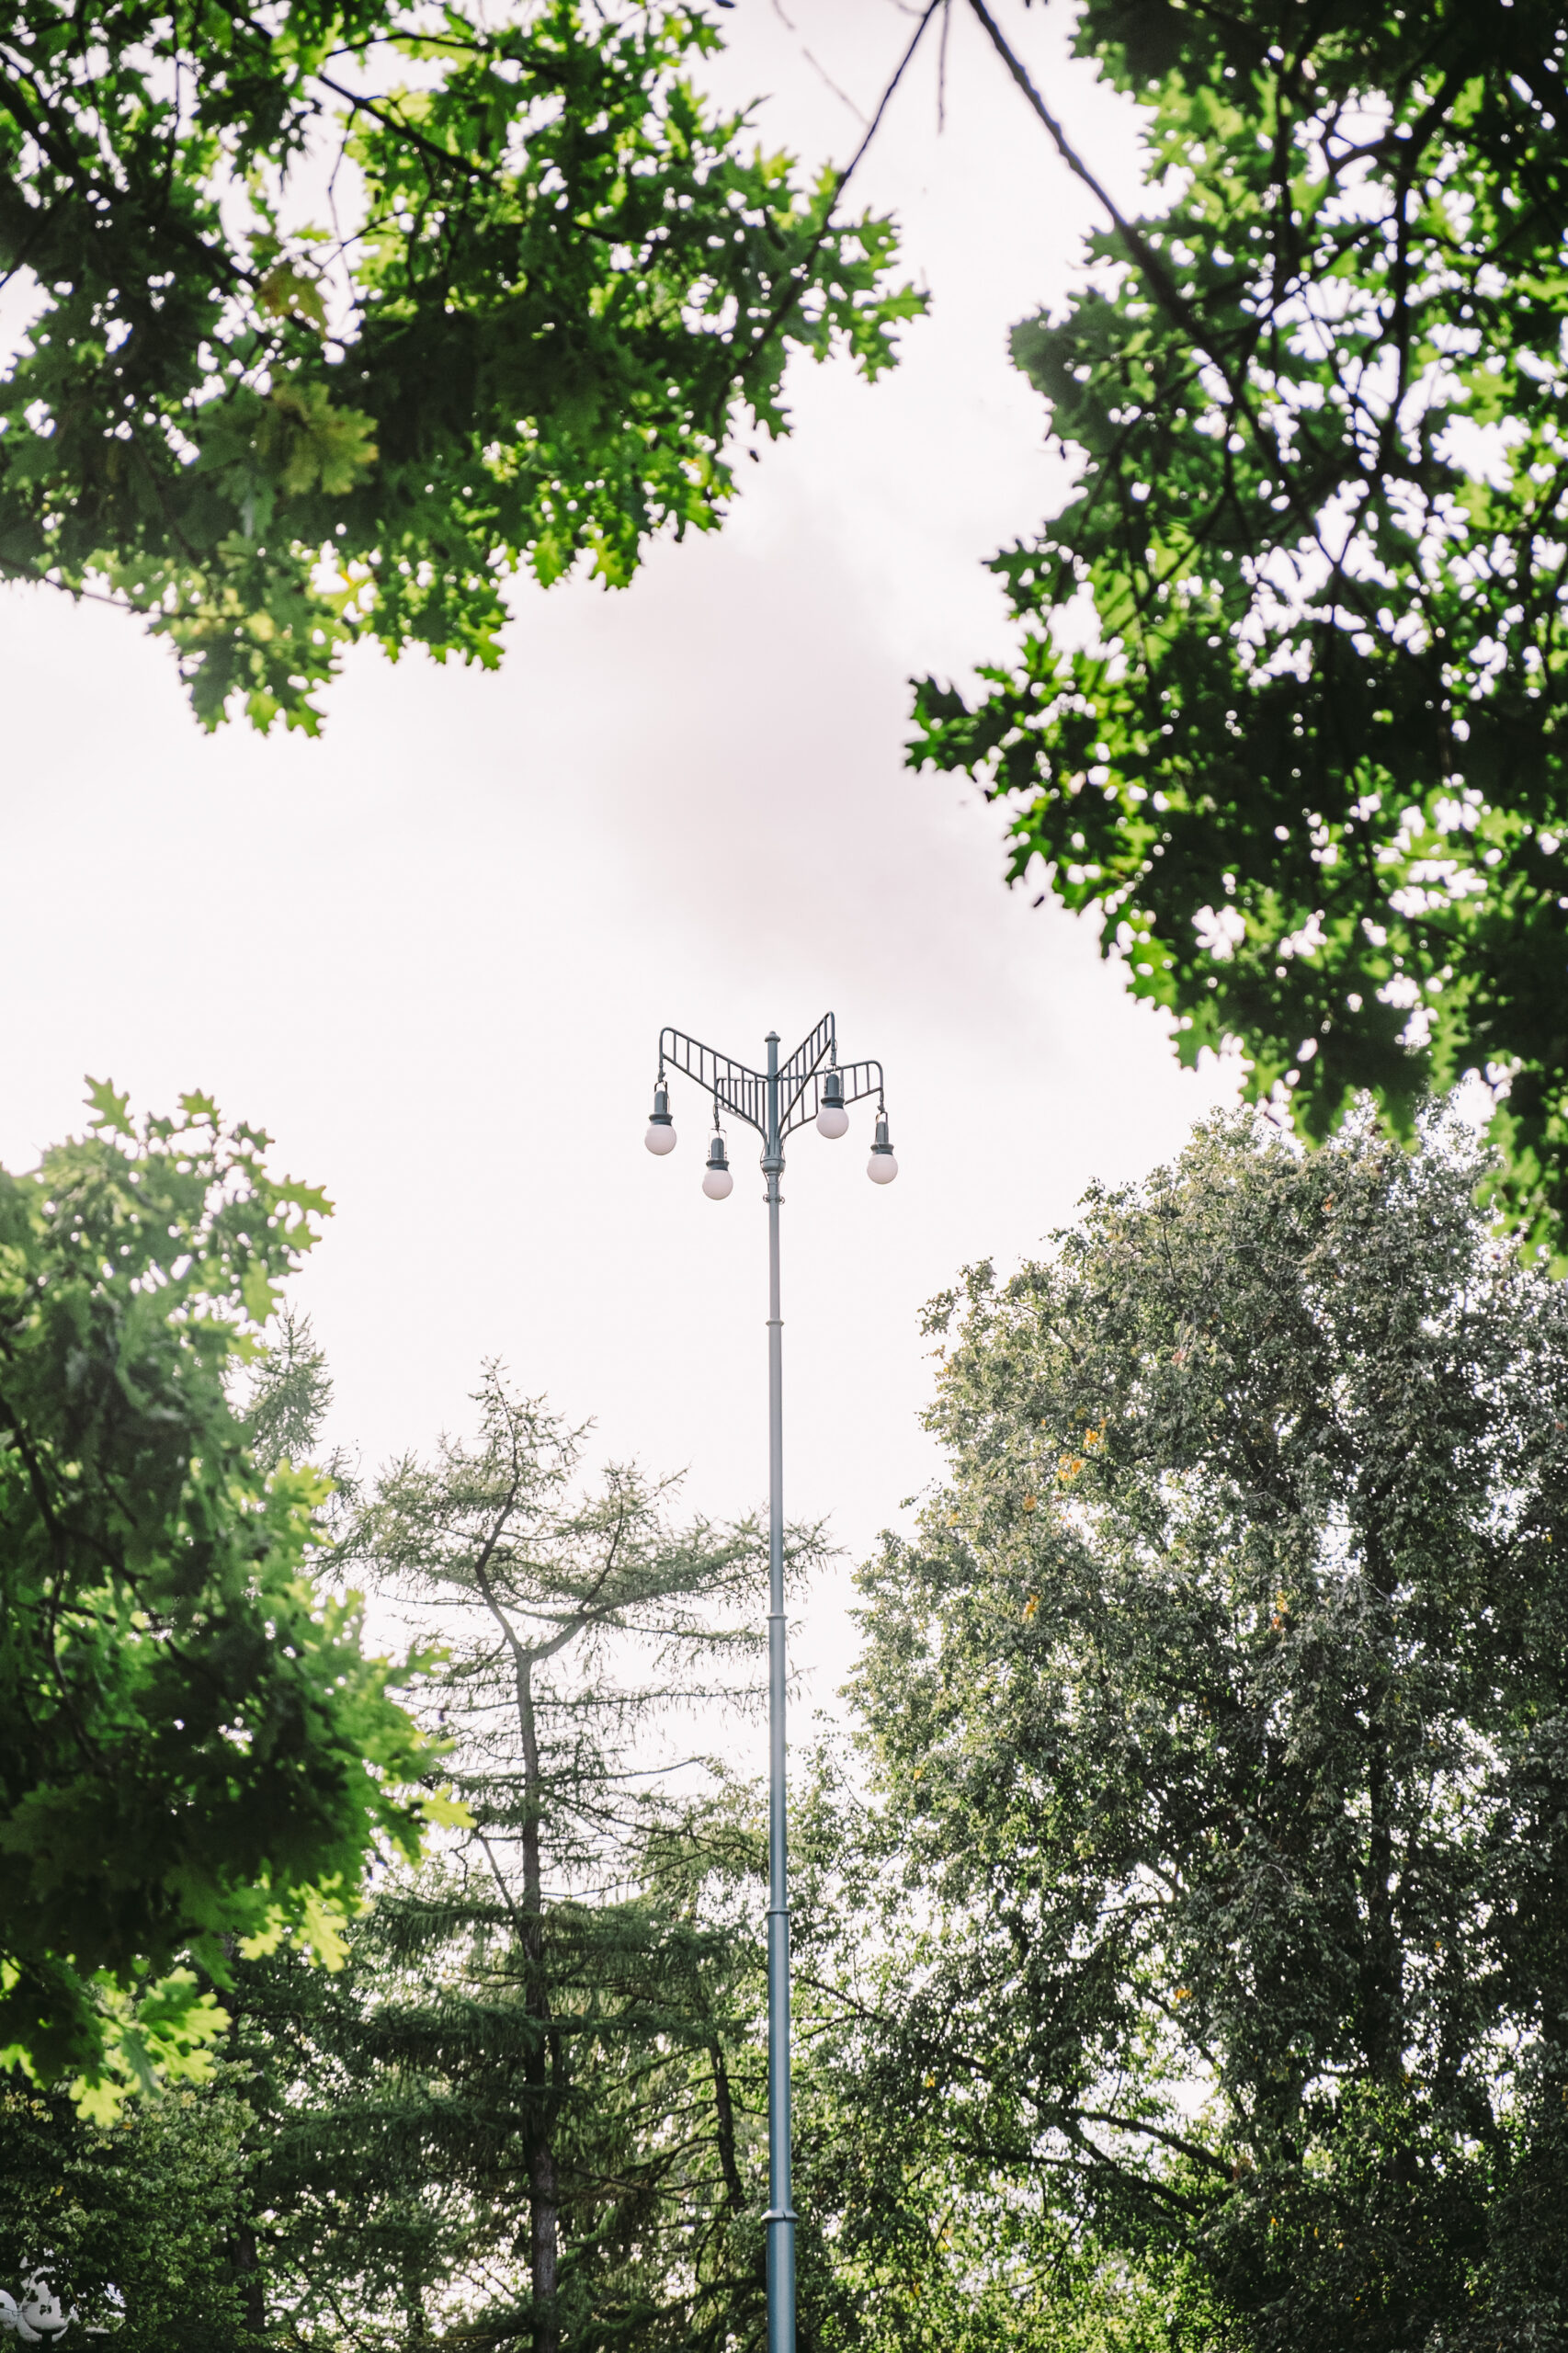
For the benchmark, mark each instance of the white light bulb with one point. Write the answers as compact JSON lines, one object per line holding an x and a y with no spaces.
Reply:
{"x":660,"y":1139}
{"x":833,"y":1119}
{"x":717,"y":1183}
{"x":882,"y":1168}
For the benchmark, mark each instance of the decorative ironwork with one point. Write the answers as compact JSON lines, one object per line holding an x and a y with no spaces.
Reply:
{"x":860,"y":1079}
{"x":741,"y":1091}
{"x":733,"y":1086}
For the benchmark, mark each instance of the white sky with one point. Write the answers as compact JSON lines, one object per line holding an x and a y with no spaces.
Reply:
{"x":431,"y":952}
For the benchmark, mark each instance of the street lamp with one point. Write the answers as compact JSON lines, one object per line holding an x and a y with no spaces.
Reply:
{"x":661,"y":1135}
{"x":809,"y":1086}
{"x":717,"y":1181}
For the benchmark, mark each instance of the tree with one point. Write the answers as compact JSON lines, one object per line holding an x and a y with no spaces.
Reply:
{"x":530,"y":2106}
{"x":551,"y":287}
{"x":1219,"y":1716}
{"x":132,"y":2219}
{"x":549,"y":1595}
{"x":1287,"y":712}
{"x":290,"y":1395}
{"x":391,"y":2150}
{"x":914,"y":2238}
{"x":194,"y":1746}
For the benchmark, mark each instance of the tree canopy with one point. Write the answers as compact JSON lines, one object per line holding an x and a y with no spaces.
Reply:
{"x":341,"y":309}
{"x":1186,"y":1967}
{"x":195,"y":1748}
{"x":130,"y":2220}
{"x":1218,"y":1715}
{"x":1286,"y":712}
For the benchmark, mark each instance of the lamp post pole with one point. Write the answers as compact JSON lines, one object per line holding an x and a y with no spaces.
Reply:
{"x":775,"y":1100}
{"x":780,"y":2211}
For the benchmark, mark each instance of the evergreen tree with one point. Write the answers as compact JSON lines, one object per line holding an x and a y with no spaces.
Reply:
{"x":531,"y":2107}
{"x":573,"y":1623}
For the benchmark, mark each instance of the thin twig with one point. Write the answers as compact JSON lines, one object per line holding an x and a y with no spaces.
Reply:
{"x":942,"y":68}
{"x":792,"y":284}
{"x":815,"y":63}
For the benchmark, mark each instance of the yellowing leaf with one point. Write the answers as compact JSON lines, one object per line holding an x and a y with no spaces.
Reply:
{"x":323,"y":1929}
{"x":309,"y":444}
{"x":288,"y":291}
{"x":440,"y":1806}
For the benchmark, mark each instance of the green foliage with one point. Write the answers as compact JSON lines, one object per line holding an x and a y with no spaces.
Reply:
{"x":531,"y":2105}
{"x":543,"y":2052}
{"x":135,"y":2218}
{"x":290,"y":1393}
{"x":1219,"y":1712}
{"x":914,"y":2238}
{"x":552,"y":287}
{"x":397,"y":2105}
{"x":1288,"y":707}
{"x":193,"y":1745}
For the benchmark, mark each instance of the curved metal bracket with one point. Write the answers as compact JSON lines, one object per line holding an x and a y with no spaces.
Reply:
{"x":734,"y":1086}
{"x":737,"y":1088}
{"x":860,"y":1079}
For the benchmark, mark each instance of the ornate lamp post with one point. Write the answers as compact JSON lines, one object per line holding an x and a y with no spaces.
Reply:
{"x":809,"y":1086}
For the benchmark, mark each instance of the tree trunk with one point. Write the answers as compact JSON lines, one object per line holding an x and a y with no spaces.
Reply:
{"x":246,"y":2264}
{"x":413,"y":2298}
{"x":1383,"y":1976}
{"x":242,"y":2251}
{"x":724,"y":2117}
{"x":544,"y":2223}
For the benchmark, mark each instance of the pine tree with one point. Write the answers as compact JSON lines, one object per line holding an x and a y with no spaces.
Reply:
{"x":530,"y":2106}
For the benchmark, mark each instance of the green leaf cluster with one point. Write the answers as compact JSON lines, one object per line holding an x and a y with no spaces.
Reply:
{"x":134,"y":2220}
{"x":552,"y":285}
{"x":1287,"y":712}
{"x":194,"y":1746}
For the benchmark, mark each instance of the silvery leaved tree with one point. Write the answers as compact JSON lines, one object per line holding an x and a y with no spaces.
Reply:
{"x":1218,"y":1712}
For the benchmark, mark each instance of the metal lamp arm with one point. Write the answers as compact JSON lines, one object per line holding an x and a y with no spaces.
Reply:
{"x":732,"y":1084}
{"x":860,"y":1079}
{"x":807,"y":1056}
{"x":737,"y":1088}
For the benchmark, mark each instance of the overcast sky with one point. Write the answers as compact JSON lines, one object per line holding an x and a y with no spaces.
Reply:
{"x":431,"y":952}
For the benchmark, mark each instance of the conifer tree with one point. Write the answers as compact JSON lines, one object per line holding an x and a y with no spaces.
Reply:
{"x":546,"y":1596}
{"x":530,"y":2106}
